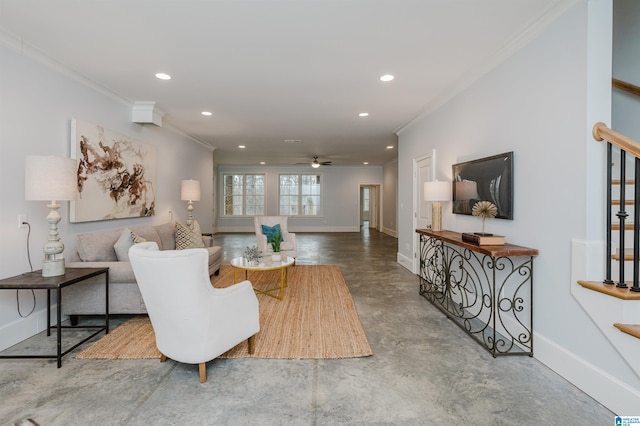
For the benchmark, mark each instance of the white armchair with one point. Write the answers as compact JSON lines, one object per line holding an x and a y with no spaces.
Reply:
{"x":288,"y":247}
{"x":193,"y":321}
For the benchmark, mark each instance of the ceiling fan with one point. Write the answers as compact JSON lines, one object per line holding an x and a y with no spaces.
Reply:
{"x":315,"y":163}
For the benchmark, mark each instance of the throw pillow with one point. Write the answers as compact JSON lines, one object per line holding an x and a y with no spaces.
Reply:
{"x":187,"y":238}
{"x":271,"y":231}
{"x":123,"y":245}
{"x":137,"y":238}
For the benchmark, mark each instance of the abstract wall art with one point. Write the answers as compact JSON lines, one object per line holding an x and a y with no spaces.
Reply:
{"x":116,"y":175}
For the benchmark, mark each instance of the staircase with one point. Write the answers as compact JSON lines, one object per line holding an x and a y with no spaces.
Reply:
{"x":617,"y":310}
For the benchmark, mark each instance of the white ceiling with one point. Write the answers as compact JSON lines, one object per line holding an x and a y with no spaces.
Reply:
{"x":271,"y":70}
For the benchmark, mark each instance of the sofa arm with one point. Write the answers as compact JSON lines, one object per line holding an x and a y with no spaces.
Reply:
{"x":207,"y":239}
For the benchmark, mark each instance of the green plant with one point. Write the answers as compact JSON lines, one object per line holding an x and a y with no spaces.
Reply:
{"x":276,"y":239}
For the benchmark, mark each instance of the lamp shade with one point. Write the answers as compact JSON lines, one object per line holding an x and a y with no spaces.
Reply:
{"x":50,"y":178}
{"x":437,"y":191}
{"x":190,"y":190}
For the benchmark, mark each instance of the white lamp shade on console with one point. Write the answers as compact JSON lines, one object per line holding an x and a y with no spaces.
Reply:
{"x":53,"y":179}
{"x":436,"y":192}
{"x":190,"y":191}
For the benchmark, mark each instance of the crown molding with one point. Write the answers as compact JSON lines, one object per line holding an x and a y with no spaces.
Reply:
{"x":23,"y":48}
{"x":533,"y":29}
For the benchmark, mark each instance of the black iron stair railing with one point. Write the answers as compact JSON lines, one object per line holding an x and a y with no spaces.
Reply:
{"x":627,"y":146}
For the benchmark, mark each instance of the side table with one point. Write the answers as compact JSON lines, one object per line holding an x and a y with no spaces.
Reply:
{"x":35,"y":281}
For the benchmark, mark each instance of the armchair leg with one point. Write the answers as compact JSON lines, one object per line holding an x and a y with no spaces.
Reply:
{"x":252,"y":344}
{"x":203,"y":372}
{"x":163,"y":357}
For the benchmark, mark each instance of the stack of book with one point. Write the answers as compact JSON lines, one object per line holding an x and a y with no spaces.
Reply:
{"x":483,"y":240}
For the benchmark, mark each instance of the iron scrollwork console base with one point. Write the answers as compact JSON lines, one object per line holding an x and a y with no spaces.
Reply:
{"x":489,"y":297}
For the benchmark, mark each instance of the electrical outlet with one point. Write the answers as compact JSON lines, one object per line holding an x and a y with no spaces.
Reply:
{"x":22,"y":218}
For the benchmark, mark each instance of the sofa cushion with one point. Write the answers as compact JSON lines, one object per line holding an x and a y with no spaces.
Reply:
{"x":167,"y":234}
{"x":123,"y":244}
{"x":148,"y":232}
{"x":97,"y":246}
{"x":187,"y":238}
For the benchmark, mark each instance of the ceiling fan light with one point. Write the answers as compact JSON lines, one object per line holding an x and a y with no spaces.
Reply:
{"x":315,"y":164}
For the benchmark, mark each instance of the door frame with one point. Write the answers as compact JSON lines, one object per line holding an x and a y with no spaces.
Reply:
{"x":416,"y":201}
{"x":378,"y":210}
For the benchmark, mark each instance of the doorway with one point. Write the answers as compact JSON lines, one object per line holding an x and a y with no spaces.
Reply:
{"x":370,"y":207}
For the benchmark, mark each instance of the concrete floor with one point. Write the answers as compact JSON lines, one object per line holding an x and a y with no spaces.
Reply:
{"x":424,"y":371}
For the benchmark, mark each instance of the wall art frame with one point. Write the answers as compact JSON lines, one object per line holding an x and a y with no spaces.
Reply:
{"x":116,"y":175}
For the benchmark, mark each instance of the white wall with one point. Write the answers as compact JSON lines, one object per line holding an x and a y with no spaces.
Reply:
{"x":626,"y":67}
{"x":535,"y":104}
{"x":36,"y":106}
{"x":390,"y":202}
{"x":340,"y":198}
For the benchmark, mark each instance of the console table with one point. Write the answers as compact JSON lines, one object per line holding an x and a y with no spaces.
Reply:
{"x":486,"y":290}
{"x":35,"y":281}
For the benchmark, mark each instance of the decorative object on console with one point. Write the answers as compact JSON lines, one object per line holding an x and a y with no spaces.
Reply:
{"x":436,"y":192}
{"x":483,"y":240}
{"x":484,"y":210}
{"x":190,"y":192}
{"x":116,"y":176}
{"x":53,"y":179}
{"x":486,"y":179}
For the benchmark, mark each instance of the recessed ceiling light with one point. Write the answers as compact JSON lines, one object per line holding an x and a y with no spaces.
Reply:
{"x":241,"y":146}
{"x":387,"y":77}
{"x":207,"y":113}
{"x":365,"y":163}
{"x":262,"y":162}
{"x":363,"y":114}
{"x":163,"y":76}
{"x":390,"y":147}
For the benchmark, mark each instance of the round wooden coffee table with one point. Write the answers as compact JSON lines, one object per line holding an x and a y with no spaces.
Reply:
{"x":265,"y":264}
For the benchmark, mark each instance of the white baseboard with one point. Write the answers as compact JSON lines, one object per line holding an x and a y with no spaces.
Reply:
{"x":23,"y":328}
{"x":607,"y":390}
{"x":405,"y":261}
{"x":390,"y":232}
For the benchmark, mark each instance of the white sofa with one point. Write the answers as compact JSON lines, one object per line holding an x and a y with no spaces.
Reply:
{"x":96,"y":249}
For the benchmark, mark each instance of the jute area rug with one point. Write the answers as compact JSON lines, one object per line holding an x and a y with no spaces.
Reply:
{"x":316,"y":319}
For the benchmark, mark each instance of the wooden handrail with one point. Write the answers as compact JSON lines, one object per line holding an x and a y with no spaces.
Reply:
{"x":602,"y":132}
{"x":627,"y":87}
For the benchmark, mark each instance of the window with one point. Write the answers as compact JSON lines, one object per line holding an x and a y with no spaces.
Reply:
{"x":243,"y":194}
{"x":300,"y":195}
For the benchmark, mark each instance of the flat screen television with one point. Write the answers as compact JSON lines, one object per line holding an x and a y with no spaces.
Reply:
{"x":485,"y":179}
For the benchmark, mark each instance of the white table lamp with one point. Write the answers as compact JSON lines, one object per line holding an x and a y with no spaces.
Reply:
{"x":436,"y":192}
{"x":190,"y":192}
{"x":53,"y":179}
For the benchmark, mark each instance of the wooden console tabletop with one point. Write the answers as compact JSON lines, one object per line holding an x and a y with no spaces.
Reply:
{"x":506,"y":250}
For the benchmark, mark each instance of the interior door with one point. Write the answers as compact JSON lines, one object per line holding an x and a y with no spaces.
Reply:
{"x":424,"y":172}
